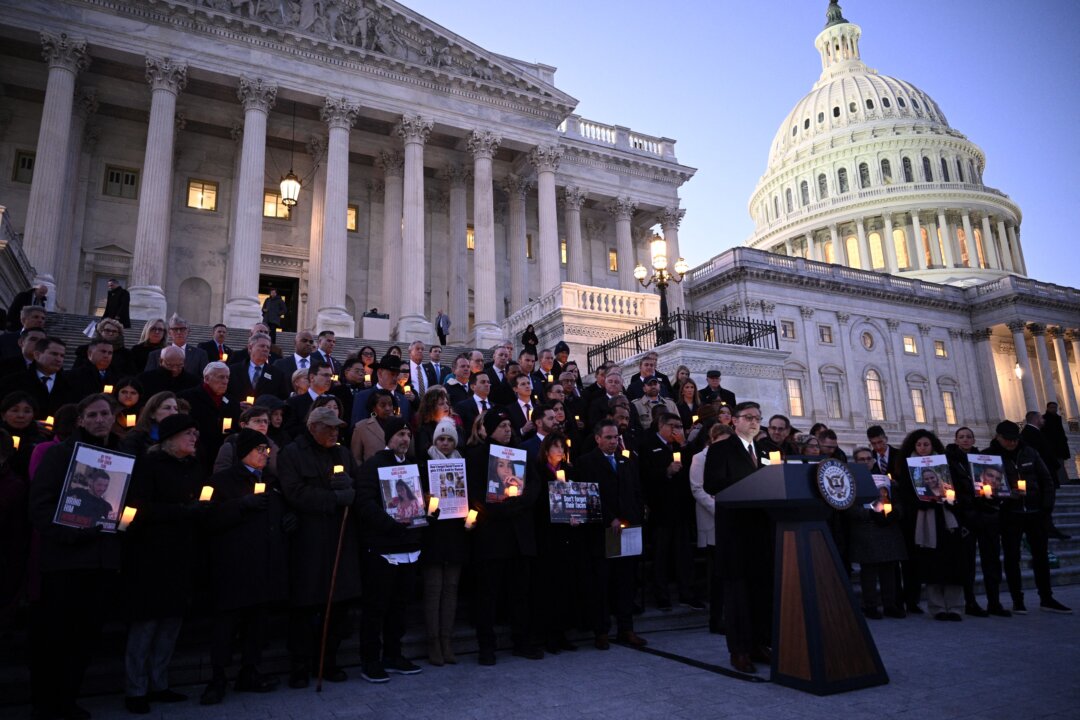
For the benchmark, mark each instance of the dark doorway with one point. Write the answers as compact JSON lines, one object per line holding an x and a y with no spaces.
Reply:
{"x":288,"y":290}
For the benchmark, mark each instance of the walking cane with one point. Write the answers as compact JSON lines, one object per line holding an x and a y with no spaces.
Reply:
{"x":330,"y":600}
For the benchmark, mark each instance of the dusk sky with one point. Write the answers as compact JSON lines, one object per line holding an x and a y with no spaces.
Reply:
{"x":720,"y":76}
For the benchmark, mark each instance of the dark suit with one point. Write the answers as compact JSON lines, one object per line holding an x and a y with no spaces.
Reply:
{"x":87,"y":380}
{"x":318,"y":360}
{"x":62,"y":392}
{"x":517,"y":414}
{"x":242,"y":356}
{"x":1037,"y":440}
{"x":117,"y":306}
{"x":287,"y":366}
{"x":708,"y":395}
{"x":12,"y":365}
{"x":298,"y":405}
{"x":211,"y":349}
{"x":501,"y":393}
{"x":620,"y":499}
{"x":272,"y":382}
{"x":359,"y":411}
{"x":161,"y":380}
{"x":468,"y":411}
{"x":636,"y":388}
{"x":744,"y":547}
{"x":9,"y":344}
{"x":455,"y":390}
{"x":194,"y":360}
{"x":26,"y":297}
{"x":208,"y":416}
{"x":670,"y":513}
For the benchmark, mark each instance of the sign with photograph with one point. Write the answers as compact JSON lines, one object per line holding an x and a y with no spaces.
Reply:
{"x":94,"y":489}
{"x":988,"y":471}
{"x":931,"y":478}
{"x":446,"y":481}
{"x":884,"y":488}
{"x":574,"y":502}
{"x":402,"y":496}
{"x":506,"y":473}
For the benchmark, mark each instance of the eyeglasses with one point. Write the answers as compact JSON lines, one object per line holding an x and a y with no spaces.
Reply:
{"x":750,"y":418}
{"x":179,"y":329}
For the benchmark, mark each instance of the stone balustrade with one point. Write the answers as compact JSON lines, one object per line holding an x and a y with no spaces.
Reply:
{"x":616,"y":136}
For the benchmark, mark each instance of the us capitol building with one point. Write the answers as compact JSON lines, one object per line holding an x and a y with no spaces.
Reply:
{"x":148,"y":140}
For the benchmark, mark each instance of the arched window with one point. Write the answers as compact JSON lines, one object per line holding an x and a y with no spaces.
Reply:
{"x":869,"y":104}
{"x":852,"y":244}
{"x":776,"y":206}
{"x":901,"y":102}
{"x":886,"y":172}
{"x":979,"y":249}
{"x":875,"y":395}
{"x":836,"y":111}
{"x":806,"y":124}
{"x":927,"y":171}
{"x":827,"y":251}
{"x":852,"y":107}
{"x":944,"y":171}
{"x":959,"y":170}
{"x":928,"y":255}
{"x":971,"y":171}
{"x":961,"y":241}
{"x":900,"y":243}
{"x":864,"y":175}
{"x":841,"y":176}
{"x":885,"y":102}
{"x":915,"y":103}
{"x":822,"y":186}
{"x":877,"y":252}
{"x":821,"y":117}
{"x":787,"y":198}
{"x":909,"y":173}
{"x":794,"y":130}
{"x":804,"y":193}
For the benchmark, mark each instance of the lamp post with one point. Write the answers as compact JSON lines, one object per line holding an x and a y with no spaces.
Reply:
{"x":661,"y":278}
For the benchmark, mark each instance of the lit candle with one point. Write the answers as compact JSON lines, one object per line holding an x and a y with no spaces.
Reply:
{"x":224,"y":357}
{"x":206,"y":494}
{"x":626,"y":453}
{"x":49,"y":421}
{"x":15,"y":440}
{"x":950,"y":495}
{"x":693,"y":419}
{"x":987,"y":491}
{"x":130,"y":420}
{"x":334,"y":378}
{"x":367,"y":377}
{"x":551,"y":378}
{"x":226,"y":424}
{"x":407,"y":389}
{"x":886,"y":508}
{"x":125,"y":518}
{"x":578,"y":418}
{"x":250,"y":399}
{"x":260,"y":488}
{"x":774,"y":456}
{"x":676,"y":456}
{"x":338,"y":469}
{"x":107,"y":389}
{"x":560,"y":475}
{"x":568,"y":442}
{"x":512,"y":491}
{"x":1021,"y":485}
{"x":432,"y":504}
{"x":470,"y":520}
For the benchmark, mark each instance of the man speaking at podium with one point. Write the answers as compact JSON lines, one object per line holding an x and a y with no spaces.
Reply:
{"x":744,"y":542}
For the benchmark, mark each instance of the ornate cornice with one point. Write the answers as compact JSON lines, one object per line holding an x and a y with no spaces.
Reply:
{"x":256,"y":94}
{"x":1016,"y":326}
{"x":166,"y":74}
{"x":61,"y":51}
{"x":339,"y":113}
{"x":1036,"y":329}
{"x":982,"y":335}
{"x":610,"y":159}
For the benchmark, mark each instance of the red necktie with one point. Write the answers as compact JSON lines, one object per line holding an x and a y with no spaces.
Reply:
{"x":753,"y":455}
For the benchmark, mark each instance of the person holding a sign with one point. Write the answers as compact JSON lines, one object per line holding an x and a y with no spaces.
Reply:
{"x":74,"y":563}
{"x":391,"y":549}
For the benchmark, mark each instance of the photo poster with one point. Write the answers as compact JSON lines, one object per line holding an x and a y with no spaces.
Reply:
{"x":930,"y":476}
{"x":622,"y":542}
{"x":884,"y":488}
{"x":574,"y":501}
{"x":446,"y":481}
{"x":94,"y":489}
{"x":506,"y":473}
{"x":402,"y":495}
{"x":989,"y":470}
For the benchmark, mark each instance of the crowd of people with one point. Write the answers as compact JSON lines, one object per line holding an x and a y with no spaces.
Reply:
{"x":256,"y":490}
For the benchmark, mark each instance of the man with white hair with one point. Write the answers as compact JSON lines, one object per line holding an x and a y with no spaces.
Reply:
{"x":194,"y":358}
{"x":168,"y":375}
{"x":213,"y":413}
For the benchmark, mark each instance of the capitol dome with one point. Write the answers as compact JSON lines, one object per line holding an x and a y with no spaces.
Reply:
{"x":863,"y":158}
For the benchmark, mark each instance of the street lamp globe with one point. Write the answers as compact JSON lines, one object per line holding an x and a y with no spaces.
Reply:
{"x":658,"y":251}
{"x":290,"y":189}
{"x":681,"y":266}
{"x":640,"y":272}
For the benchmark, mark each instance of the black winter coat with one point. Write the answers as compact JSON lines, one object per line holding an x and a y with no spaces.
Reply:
{"x":506,"y":529}
{"x":379,"y":532}
{"x":160,"y":550}
{"x":304,"y":471}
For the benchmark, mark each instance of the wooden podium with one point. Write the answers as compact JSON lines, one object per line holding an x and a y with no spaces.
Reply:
{"x":821,"y":643}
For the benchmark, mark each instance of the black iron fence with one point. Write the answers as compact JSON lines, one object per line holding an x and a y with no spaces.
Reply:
{"x":703,"y":326}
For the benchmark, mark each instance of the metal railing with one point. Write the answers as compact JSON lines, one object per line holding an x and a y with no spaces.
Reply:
{"x":701,"y":326}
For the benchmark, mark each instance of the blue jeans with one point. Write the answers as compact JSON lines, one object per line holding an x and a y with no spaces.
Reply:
{"x":150,"y":647}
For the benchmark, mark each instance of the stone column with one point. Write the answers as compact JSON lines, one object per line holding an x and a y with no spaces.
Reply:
{"x":517,"y":188}
{"x":1021,"y":266}
{"x":789,"y":248}
{"x":1073,"y":336}
{"x":1042,"y":355}
{"x":457,"y":273}
{"x":339,"y":114}
{"x":1068,"y":393}
{"x":946,"y":240}
{"x":812,"y":251}
{"x":242,"y":307}
{"x":574,"y":198}
{"x":66,"y":58}
{"x":393,"y":167}
{"x":1006,"y":247}
{"x":838,"y":249}
{"x":889,"y":246}
{"x":317,"y":149}
{"x":167,"y":79}
{"x":969,"y":240}
{"x":919,"y":261}
{"x":989,"y":246}
{"x":622,"y":209}
{"x":74,"y":210}
{"x":545,"y":158}
{"x":866,"y":260}
{"x":1027,"y":382}
{"x":670,"y":218}
{"x":483,"y":144}
{"x":414,"y":323}
{"x":990,"y":391}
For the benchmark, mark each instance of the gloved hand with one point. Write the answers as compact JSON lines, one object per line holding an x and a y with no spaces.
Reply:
{"x":254,"y":502}
{"x":341,"y":481}
{"x":345,"y":497}
{"x":434,"y":515}
{"x":289,"y":522}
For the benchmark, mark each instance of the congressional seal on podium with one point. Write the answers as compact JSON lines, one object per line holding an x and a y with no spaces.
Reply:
{"x":836,"y":484}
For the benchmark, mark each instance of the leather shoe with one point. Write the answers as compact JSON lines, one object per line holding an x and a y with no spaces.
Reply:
{"x":214,"y":693}
{"x":631,"y":638}
{"x":741,"y":662}
{"x":601,"y":642}
{"x":975,"y":610}
{"x":137,"y":705}
{"x":761,"y":654}
{"x":255,"y":682}
{"x":335,"y":674}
